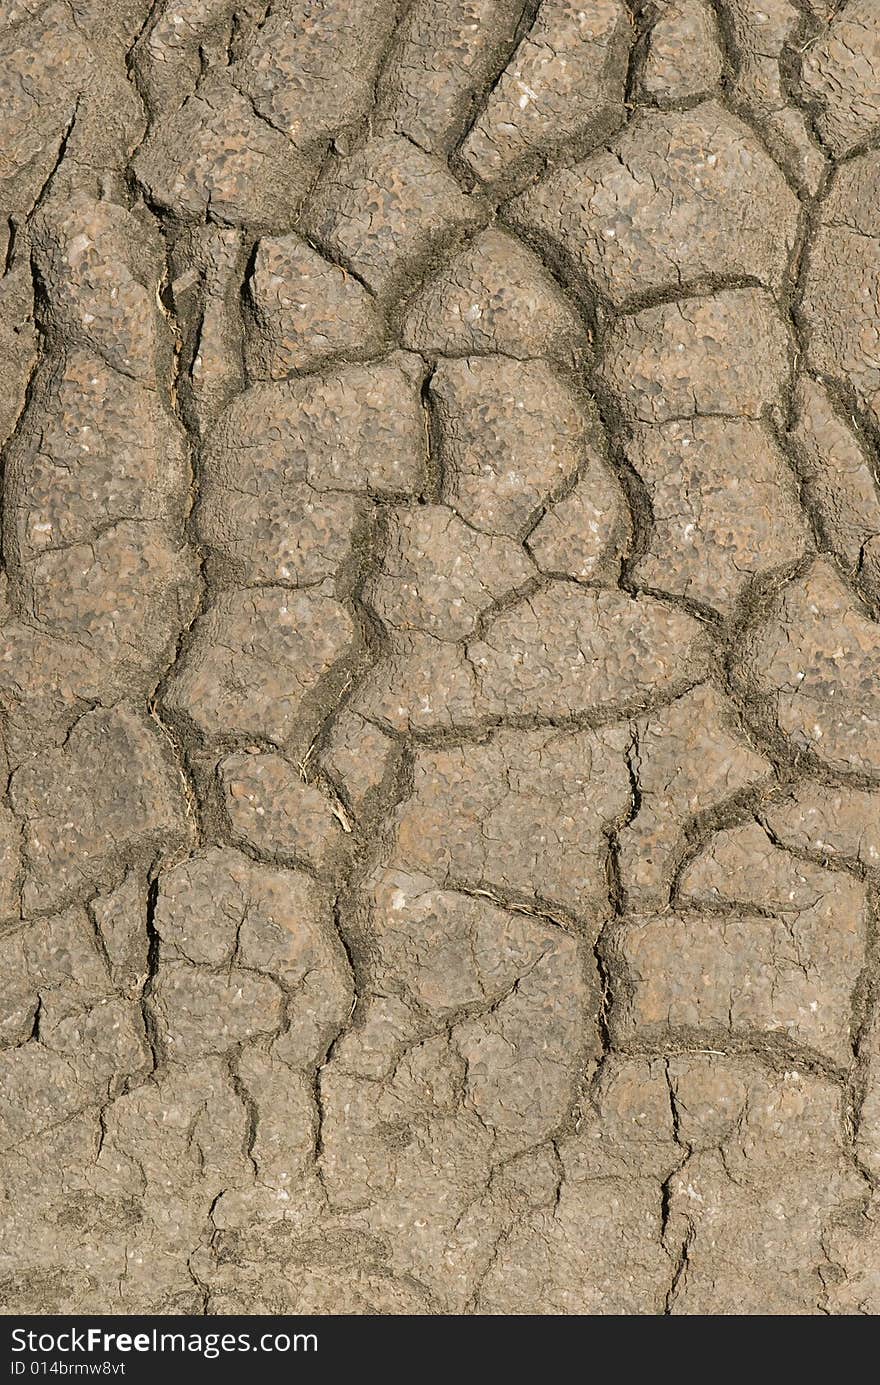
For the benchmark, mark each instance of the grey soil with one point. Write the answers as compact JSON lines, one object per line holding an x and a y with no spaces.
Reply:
{"x":440,"y":660}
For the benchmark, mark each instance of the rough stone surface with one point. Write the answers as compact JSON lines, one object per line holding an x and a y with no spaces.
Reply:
{"x":439,"y":662}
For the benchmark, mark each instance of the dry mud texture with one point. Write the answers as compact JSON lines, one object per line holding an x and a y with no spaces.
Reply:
{"x":440,"y":672}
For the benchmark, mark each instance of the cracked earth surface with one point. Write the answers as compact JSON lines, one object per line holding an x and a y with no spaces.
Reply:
{"x":440,"y":673}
